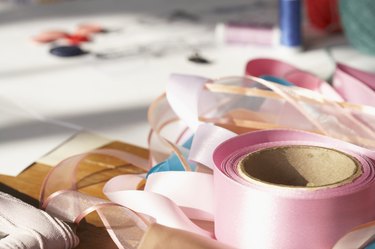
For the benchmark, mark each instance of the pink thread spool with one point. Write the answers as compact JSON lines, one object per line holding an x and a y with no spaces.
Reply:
{"x":247,"y":34}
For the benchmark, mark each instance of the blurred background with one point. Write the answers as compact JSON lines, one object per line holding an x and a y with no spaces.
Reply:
{"x":96,"y":65}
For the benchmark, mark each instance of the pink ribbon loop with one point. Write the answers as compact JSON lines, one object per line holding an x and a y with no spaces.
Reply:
{"x":251,"y":205}
{"x":303,"y":79}
{"x":354,"y":85}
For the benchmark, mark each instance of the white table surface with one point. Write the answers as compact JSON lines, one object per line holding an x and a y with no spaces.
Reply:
{"x":111,"y":97}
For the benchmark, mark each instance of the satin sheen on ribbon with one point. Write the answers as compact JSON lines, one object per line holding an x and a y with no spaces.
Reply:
{"x":354,"y":85}
{"x":300,"y":78}
{"x":245,"y":214}
{"x":200,"y":154}
{"x":277,"y":217}
{"x":328,"y":201}
{"x":282,"y":217}
{"x":287,"y":218}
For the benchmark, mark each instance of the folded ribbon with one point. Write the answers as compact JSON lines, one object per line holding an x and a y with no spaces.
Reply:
{"x":128,"y":229}
{"x":269,"y":189}
{"x":354,"y":85}
{"x":25,"y":227}
{"x":262,"y":66}
{"x":305,"y":210}
{"x":236,"y":103}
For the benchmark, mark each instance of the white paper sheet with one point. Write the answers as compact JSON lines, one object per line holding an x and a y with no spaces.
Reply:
{"x":25,"y":138}
{"x":80,"y":143}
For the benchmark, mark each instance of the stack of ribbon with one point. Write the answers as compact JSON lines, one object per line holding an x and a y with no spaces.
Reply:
{"x":274,"y":159}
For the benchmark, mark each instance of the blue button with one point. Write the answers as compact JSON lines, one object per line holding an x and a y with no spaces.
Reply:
{"x":67,"y":51}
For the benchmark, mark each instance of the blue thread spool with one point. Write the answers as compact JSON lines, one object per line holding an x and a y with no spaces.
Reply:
{"x":290,"y":24}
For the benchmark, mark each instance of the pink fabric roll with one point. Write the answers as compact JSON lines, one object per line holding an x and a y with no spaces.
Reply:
{"x":280,"y":217}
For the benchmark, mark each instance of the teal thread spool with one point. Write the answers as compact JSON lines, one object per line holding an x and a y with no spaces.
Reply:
{"x":358,"y":20}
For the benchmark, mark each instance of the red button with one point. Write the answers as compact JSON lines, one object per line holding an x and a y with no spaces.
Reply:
{"x":76,"y":39}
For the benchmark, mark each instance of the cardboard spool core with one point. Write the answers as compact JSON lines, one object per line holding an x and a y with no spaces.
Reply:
{"x":300,"y":166}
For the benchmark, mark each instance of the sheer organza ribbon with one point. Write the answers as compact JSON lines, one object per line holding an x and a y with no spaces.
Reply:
{"x":184,"y":195}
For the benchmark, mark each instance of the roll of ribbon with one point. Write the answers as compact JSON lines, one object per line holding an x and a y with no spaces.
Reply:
{"x":316,"y":205}
{"x":270,"y":189}
{"x":291,"y":190}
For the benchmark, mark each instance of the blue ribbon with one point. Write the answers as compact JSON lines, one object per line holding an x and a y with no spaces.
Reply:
{"x":173,"y":163}
{"x":277,"y":80}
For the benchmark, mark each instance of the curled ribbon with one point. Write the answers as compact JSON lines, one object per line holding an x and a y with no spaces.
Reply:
{"x":235,"y":205}
{"x":263,"y":66}
{"x":354,"y":85}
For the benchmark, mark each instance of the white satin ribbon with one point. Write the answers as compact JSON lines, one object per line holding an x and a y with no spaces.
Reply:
{"x":25,"y":227}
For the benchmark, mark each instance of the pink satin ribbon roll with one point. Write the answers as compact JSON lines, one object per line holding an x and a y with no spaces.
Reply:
{"x":278,"y":217}
{"x":254,"y":214}
{"x":251,"y":214}
{"x":247,"y":213}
